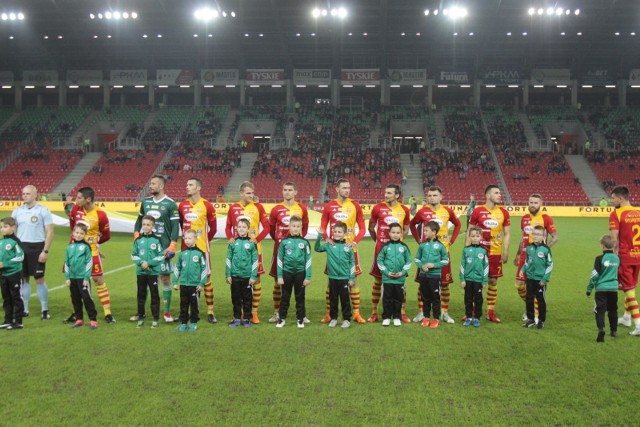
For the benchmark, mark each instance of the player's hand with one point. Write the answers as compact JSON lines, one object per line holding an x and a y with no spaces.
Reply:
{"x":424,"y":267}
{"x":430,"y":265}
{"x":229,"y":280}
{"x":252,"y":281}
{"x":319,"y":231}
{"x":515,"y":260}
{"x":351,"y":244}
{"x":330,"y":241}
{"x":68,"y":283}
{"x":170,"y":252}
{"x":101,"y":255}
{"x":253,"y":240}
{"x":85,"y":284}
{"x":176,"y":287}
{"x":505,"y":258}
{"x":305,"y":283}
{"x":280,"y":281}
{"x":463,"y":284}
{"x":231,"y":240}
{"x":542,"y":283}
{"x":136,"y":234}
{"x":42,"y":258}
{"x":352,"y":283}
{"x":144,"y":265}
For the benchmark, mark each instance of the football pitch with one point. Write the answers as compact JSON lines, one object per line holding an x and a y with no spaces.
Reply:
{"x":498,"y":374}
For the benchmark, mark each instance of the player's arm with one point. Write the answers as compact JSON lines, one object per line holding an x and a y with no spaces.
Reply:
{"x":228,"y":229}
{"x":227,"y":263}
{"x":362,"y":229}
{"x":305,"y":219}
{"x":158,"y":257}
{"x":307,"y":262}
{"x":472,"y":221}
{"x":280,"y":261}
{"x":407,"y":262}
{"x":457,"y":225}
{"x":324,"y":222}
{"x":549,"y":268}
{"x":135,"y":256}
{"x":595,"y":274}
{"x":264,"y":221}
{"x":211,"y":221}
{"x":203,"y":271}
{"x":319,"y":246}
{"x":88,"y":265}
{"x":405,"y":224}
{"x":273,"y":216}
{"x":413,"y":227}
{"x":505,"y":243}
{"x":444,"y":256}
{"x":372,"y":224}
{"x":254,"y":262}
{"x":381,"y":266}
{"x":138,"y":225}
{"x":103,"y":227}
{"x":485,"y":268}
{"x":174,"y":219}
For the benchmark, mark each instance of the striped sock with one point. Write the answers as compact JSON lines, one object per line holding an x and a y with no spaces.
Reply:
{"x":326,"y":299}
{"x":631,"y":305}
{"x":445,"y":296}
{"x":277,"y":296}
{"x":355,"y":299}
{"x":208,"y":296}
{"x":376,"y":293}
{"x":492,"y":296}
{"x":103,"y":295}
{"x":257,"y":293}
{"x":420,"y":304}
{"x":522,"y":291}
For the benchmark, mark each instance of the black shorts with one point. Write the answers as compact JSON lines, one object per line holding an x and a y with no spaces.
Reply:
{"x":30,"y":266}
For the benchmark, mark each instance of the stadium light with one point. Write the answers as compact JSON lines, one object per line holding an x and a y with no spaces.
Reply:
{"x":540,"y":11}
{"x":113,"y":14}
{"x":12,"y":16}
{"x":531,"y":11}
{"x":576,"y":12}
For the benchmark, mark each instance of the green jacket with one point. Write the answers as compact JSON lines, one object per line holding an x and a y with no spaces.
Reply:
{"x":433,"y":252}
{"x":341,"y":263}
{"x":11,"y":255}
{"x":394,"y":257}
{"x":474,"y":264}
{"x":538,"y":263}
{"x":242,"y":259}
{"x":191,"y":268}
{"x":294,"y":256}
{"x":147,"y":247}
{"x":604,"y":276}
{"x":78,"y":262}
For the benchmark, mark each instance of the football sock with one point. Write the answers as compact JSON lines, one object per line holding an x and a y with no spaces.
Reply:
{"x":166,"y":297}
{"x":43,"y":295}
{"x":257,"y":293}
{"x":326,"y":298}
{"x":492,"y":296}
{"x":26,"y":294}
{"x":420,"y":304}
{"x":355,"y":299}
{"x":208,"y":296}
{"x":376,"y":292}
{"x":631,"y":306}
{"x":103,"y":295}
{"x":445,"y":295}
{"x":277,"y":296}
{"x":522,"y":291}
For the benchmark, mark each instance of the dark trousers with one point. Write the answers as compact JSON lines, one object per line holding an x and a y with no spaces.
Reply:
{"x":535,"y":291}
{"x":189,"y":300}
{"x":473,"y":300}
{"x":80,"y":295}
{"x":293,"y":282}
{"x":241,"y":297}
{"x":392,"y":297}
{"x":150,"y":282}
{"x":339,"y":291}
{"x":12,"y":299}
{"x":606,"y":301}
{"x":430,"y":291}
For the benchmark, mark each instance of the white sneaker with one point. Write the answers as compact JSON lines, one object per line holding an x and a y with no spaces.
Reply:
{"x":386,"y":322}
{"x":168,"y":318}
{"x":536,"y":320}
{"x":280,"y":323}
{"x":397,"y":322}
{"x":635,"y":332}
{"x":333,"y":323}
{"x":624,"y":321}
{"x":134,"y":318}
{"x":300,"y":324}
{"x":419,"y":318}
{"x":447,"y":318}
{"x":524,"y":317}
{"x":345,"y":324}
{"x":307,"y":321}
{"x":274,"y":318}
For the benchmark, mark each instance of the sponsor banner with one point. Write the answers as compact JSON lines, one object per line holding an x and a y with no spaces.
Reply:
{"x":634,"y":76}
{"x":174,"y":77}
{"x":598,"y":76}
{"x":84,"y":77}
{"x":501,"y":76}
{"x":408,"y":77}
{"x":311,"y":77}
{"x":367,"y":76}
{"x":455,"y":77}
{"x":264,"y":77}
{"x":6,"y":78}
{"x":40,"y":78}
{"x":219,"y":77}
{"x":550,"y":76}
{"x":128,"y":77}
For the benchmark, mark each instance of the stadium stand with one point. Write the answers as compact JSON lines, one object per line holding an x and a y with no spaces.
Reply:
{"x":134,"y":115}
{"x":539,"y":114}
{"x":167,"y":123}
{"x":618,"y":168}
{"x":205,"y":123}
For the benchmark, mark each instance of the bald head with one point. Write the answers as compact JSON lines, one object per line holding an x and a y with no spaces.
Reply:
{"x":29,"y":194}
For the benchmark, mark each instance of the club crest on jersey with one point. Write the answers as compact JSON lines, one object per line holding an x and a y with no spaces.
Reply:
{"x":141,"y":251}
{"x":289,"y":251}
{"x":195,"y":258}
{"x":247,"y":246}
{"x":155,"y":214}
{"x":153,"y":246}
{"x":81,"y":248}
{"x":480,"y":256}
{"x":541,"y":254}
{"x":391,"y":220}
{"x":401,"y":249}
{"x":470,"y":260}
{"x":436,"y":245}
{"x":301,"y":245}
{"x":347,"y":248}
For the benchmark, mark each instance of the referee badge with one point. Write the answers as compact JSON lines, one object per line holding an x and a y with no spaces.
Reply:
{"x":34,"y":219}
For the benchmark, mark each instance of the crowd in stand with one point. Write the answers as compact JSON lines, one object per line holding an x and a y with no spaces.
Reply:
{"x":208,"y":127}
{"x":191,"y":156}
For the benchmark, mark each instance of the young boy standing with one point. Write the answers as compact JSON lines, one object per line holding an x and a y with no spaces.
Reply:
{"x":78,"y":265}
{"x":148,"y":255}
{"x":604,"y":278}
{"x":474,"y":274}
{"x":431,"y":257}
{"x":241,"y":273}
{"x":394,"y":262}
{"x":294,"y":271}
{"x":191,"y":272}
{"x":11,"y":257}
{"x":341,"y":269}
{"x":537,"y":266}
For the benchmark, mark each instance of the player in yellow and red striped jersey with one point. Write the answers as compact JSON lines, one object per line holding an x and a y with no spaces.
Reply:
{"x":391,"y":211}
{"x":279,"y":229}
{"x":443,"y":215}
{"x":530,"y":220}
{"x":495,"y":223}
{"x":255,"y":213}
{"x":343,"y":209}
{"x":624,"y":226}
{"x":198,"y":214}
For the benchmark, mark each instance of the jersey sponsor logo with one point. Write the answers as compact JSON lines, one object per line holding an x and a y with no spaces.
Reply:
{"x":340,"y":216}
{"x":285,"y":220}
{"x":391,"y":220}
{"x":154,"y":206}
{"x":155,"y":214}
{"x":191,"y":216}
{"x":491,"y":223}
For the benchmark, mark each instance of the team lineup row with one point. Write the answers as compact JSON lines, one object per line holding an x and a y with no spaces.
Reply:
{"x":195,"y":213}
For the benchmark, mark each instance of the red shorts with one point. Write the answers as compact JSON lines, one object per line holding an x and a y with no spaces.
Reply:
{"x":521,"y":275}
{"x":260,"y":263}
{"x":357,"y":262}
{"x":274,"y":260}
{"x":495,"y":266}
{"x":96,"y":269}
{"x":628,"y":276}
{"x":375,"y":271}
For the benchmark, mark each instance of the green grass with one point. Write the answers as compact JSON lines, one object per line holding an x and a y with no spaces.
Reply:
{"x":367,"y":375}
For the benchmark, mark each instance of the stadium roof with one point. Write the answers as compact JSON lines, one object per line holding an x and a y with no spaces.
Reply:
{"x":398,"y":35}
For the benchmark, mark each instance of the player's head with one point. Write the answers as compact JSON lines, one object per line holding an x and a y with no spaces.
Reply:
{"x":85,"y":197}
{"x":538,"y":234}
{"x":343,"y":188}
{"x":339,"y":230}
{"x":243,"y":227}
{"x":493,"y":194}
{"x":535,"y":203}
{"x":8,"y":225}
{"x":194,"y":187}
{"x":295,"y":226}
{"x":607,"y":243}
{"x":431,"y":229}
{"x":79,"y":232}
{"x":247,"y":192}
{"x":156,"y":185}
{"x":392,"y":193}
{"x":189,"y":237}
{"x":29,"y":194}
{"x":472,"y":197}
{"x":395,"y":231}
{"x":620,"y":196}
{"x":434,"y":196}
{"x":148,"y":222}
{"x":475,"y":234}
{"x":289,"y":191}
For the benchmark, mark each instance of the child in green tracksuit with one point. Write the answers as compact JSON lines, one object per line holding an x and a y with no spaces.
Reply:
{"x":11,"y":257}
{"x":394,"y":262}
{"x":148,"y":255}
{"x":431,"y":257}
{"x":241,"y":273}
{"x":604,"y":278}
{"x":341,"y":269}
{"x":474,"y":274}
{"x":78,"y":264}
{"x":191,"y":272}
{"x":538,"y":265}
{"x":293,"y":271}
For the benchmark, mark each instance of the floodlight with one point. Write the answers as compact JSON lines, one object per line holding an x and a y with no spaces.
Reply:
{"x":524,"y":34}
{"x":95,"y":36}
{"x":617,"y":33}
{"x":315,"y":13}
{"x":334,"y":12}
{"x":435,"y":12}
{"x":195,"y":35}
{"x":108,"y":36}
{"x":92,"y":16}
{"x":540,"y":11}
{"x":4,"y":16}
{"x":577,"y":12}
{"x":313,"y":34}
{"x":159,"y":36}
{"x":324,"y":12}
{"x":46,"y":37}
{"x":350,"y":34}
{"x":402,"y":34}
{"x":550,"y":11}
{"x":365,"y":34}
{"x":144,"y":36}
{"x":20,"y":16}
{"x":224,"y":14}
{"x":210,"y":35}
{"x":632,"y":33}
{"x":297,"y":34}
{"x":342,"y":12}
{"x":11,"y":37}
{"x":108,"y":15}
{"x":559,"y":11}
{"x":261,"y":35}
{"x":562,"y":33}
{"x":134,"y":15}
{"x":426,"y":12}
{"x":471,"y":34}
{"x":233,"y":14}
{"x":417,"y":34}
{"x":580,"y":33}
{"x":100,"y":16}
{"x":125,"y":15}
{"x":455,"y":34}
{"x":59,"y":37}
{"x":567,"y":12}
{"x":12,"y":16}
{"x":445,"y":11}
{"x":531,"y":11}
{"x":116,"y":15}
{"x":509,"y":33}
